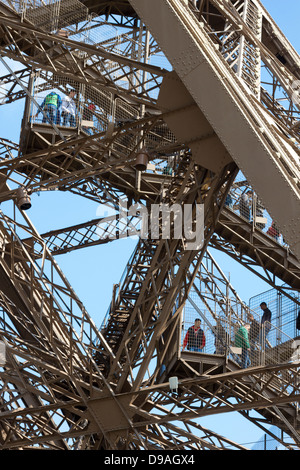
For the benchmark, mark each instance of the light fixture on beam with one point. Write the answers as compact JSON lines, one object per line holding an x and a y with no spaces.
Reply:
{"x":173,"y":384}
{"x":23,"y":199}
{"x":142,"y":159}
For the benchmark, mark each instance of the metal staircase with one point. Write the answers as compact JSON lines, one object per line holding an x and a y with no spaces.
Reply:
{"x":251,"y":136}
{"x":211,"y":111}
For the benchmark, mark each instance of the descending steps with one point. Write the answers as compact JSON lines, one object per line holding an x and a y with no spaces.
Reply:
{"x":257,"y":245}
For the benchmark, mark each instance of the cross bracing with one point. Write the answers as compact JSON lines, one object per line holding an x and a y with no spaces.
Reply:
{"x":68,"y":384}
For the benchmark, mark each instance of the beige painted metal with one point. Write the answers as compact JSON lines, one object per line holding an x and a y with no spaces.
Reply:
{"x":190,"y":126}
{"x":69,"y":385}
{"x":233,"y":113}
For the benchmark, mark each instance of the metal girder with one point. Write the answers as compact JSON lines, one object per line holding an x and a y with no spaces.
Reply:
{"x":226,"y":392}
{"x":67,"y":385}
{"x":49,"y":337}
{"x":33,"y":47}
{"x":80,"y":158}
{"x":253,"y":249}
{"x":260,"y":144}
{"x":52,"y":328}
{"x":233,"y":235}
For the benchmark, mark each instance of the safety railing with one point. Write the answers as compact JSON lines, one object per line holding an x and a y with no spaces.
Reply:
{"x":90,"y":111}
{"x":245,"y":341}
{"x":66,"y":110}
{"x":245,"y":202}
{"x":277,"y":347}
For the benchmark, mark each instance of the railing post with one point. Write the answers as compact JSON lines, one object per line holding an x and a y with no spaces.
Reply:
{"x":263,"y":345}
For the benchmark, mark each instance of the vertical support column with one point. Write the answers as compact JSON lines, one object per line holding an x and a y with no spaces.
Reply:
{"x":279,"y":319}
{"x":249,"y":61}
{"x":243,"y":13}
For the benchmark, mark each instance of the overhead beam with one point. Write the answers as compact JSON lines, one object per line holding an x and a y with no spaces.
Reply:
{"x":248,"y":136}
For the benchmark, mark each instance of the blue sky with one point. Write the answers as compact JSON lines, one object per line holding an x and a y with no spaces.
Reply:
{"x":93,"y":271}
{"x":62,"y":210}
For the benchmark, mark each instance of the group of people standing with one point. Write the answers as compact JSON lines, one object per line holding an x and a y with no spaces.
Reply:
{"x":253,"y":332}
{"x":195,"y":339}
{"x":246,"y":338}
{"x":55,"y":109}
{"x":250,"y":333}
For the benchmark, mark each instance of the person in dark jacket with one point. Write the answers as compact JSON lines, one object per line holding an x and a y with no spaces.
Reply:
{"x":242,"y":341}
{"x":195,"y":337}
{"x":298,"y":321}
{"x":266,"y":318}
{"x":267,"y":315}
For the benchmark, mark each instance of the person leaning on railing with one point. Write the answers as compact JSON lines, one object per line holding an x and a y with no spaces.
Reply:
{"x":50,"y":105}
{"x":242,"y":341}
{"x":88,"y":115}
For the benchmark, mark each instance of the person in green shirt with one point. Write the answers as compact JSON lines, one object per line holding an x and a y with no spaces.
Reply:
{"x":50,"y":107}
{"x":242,"y":341}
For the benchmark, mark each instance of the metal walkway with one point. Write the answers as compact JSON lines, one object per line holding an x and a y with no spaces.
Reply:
{"x":251,"y":136}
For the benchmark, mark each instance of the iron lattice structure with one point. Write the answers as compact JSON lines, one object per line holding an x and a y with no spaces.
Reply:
{"x":213,"y":103}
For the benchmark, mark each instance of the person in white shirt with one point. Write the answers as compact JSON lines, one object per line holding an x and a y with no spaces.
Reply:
{"x":68,"y":109}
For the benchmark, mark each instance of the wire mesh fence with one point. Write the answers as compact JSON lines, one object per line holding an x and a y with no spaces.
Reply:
{"x":284,"y":310}
{"x":92,"y":109}
{"x":243,"y":200}
{"x":247,"y":339}
{"x":272,"y":440}
{"x":62,"y":105}
{"x":51,"y":15}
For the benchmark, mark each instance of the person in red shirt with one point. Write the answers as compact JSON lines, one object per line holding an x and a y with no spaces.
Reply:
{"x":273,"y":231}
{"x":195,"y":337}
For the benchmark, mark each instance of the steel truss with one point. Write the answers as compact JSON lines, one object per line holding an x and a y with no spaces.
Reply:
{"x":66,"y":384}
